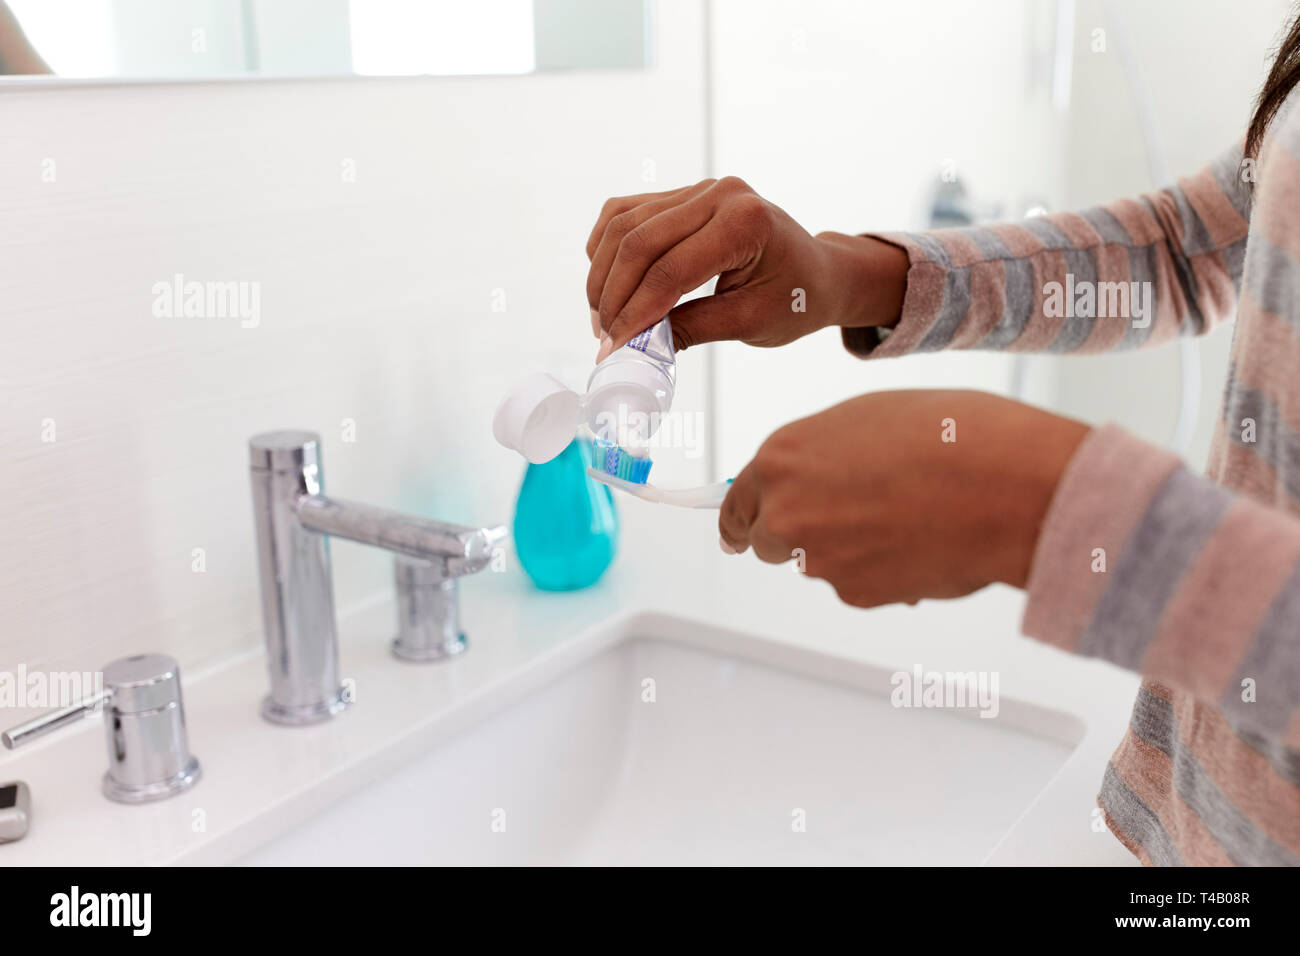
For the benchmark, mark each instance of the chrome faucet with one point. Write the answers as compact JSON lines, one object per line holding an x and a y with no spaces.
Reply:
{"x":293,"y":519}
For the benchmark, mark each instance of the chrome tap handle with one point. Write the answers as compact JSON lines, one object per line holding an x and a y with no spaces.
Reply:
{"x":144,"y":718}
{"x":51,"y":721}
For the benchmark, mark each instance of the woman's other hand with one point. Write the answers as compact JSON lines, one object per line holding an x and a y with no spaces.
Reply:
{"x":898,"y":496}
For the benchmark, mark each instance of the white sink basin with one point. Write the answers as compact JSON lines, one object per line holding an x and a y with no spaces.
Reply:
{"x":744,"y":740}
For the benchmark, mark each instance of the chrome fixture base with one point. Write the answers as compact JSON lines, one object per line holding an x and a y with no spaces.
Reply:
{"x":435,"y":652}
{"x":303,"y":716}
{"x":188,"y":777}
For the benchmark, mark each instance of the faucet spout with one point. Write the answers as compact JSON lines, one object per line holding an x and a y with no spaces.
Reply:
{"x":465,"y":550}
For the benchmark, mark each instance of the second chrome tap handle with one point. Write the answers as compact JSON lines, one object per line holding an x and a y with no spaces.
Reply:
{"x":47,"y":723}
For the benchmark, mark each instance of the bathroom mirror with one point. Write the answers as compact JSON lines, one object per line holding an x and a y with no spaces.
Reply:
{"x":210,"y":39}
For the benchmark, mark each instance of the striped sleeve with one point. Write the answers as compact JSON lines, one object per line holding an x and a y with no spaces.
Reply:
{"x":1151,"y":567}
{"x":1123,"y":275}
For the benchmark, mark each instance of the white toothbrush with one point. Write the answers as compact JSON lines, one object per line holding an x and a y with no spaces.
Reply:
{"x":705,"y":496}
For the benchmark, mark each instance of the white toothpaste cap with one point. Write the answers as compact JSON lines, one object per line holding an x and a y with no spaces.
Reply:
{"x":538,"y":418}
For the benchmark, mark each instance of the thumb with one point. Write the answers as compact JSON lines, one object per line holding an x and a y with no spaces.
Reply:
{"x":739,"y":509}
{"x":710,"y":318}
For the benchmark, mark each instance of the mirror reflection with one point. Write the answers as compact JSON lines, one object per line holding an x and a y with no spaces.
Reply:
{"x":197,"y":39}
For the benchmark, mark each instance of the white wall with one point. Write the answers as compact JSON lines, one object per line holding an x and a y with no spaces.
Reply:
{"x":844,"y":113}
{"x":377,"y":306}
{"x":1203,"y":62}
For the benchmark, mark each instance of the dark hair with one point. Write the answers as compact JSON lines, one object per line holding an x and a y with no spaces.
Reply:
{"x":1282,"y":78}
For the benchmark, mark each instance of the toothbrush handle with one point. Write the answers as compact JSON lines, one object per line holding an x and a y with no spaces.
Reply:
{"x":706,"y":496}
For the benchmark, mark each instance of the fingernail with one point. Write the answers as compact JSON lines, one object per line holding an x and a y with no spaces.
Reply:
{"x":726,"y":548}
{"x":595,"y":323}
{"x":606,"y":346}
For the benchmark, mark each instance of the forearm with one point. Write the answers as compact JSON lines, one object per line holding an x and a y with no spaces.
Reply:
{"x":1124,"y":275}
{"x":1155,"y":569}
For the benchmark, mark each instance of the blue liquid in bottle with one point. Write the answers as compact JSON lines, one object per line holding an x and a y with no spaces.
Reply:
{"x":566,"y":528}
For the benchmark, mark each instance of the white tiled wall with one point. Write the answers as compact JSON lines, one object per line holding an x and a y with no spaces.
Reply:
{"x":377,"y":306}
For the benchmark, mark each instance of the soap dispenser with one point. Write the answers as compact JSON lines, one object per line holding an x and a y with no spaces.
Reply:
{"x":565,"y":527}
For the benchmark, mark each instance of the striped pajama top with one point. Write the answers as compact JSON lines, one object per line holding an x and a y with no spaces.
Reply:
{"x":1193,"y":582}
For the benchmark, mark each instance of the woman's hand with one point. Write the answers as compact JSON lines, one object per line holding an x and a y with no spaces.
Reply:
{"x":898,"y":496}
{"x":775,"y":281}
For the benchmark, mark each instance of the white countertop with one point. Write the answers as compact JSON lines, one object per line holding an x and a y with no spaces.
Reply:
{"x":259,"y":779}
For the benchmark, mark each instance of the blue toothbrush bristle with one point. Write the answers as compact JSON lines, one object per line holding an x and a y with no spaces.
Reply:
{"x":621,"y":463}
